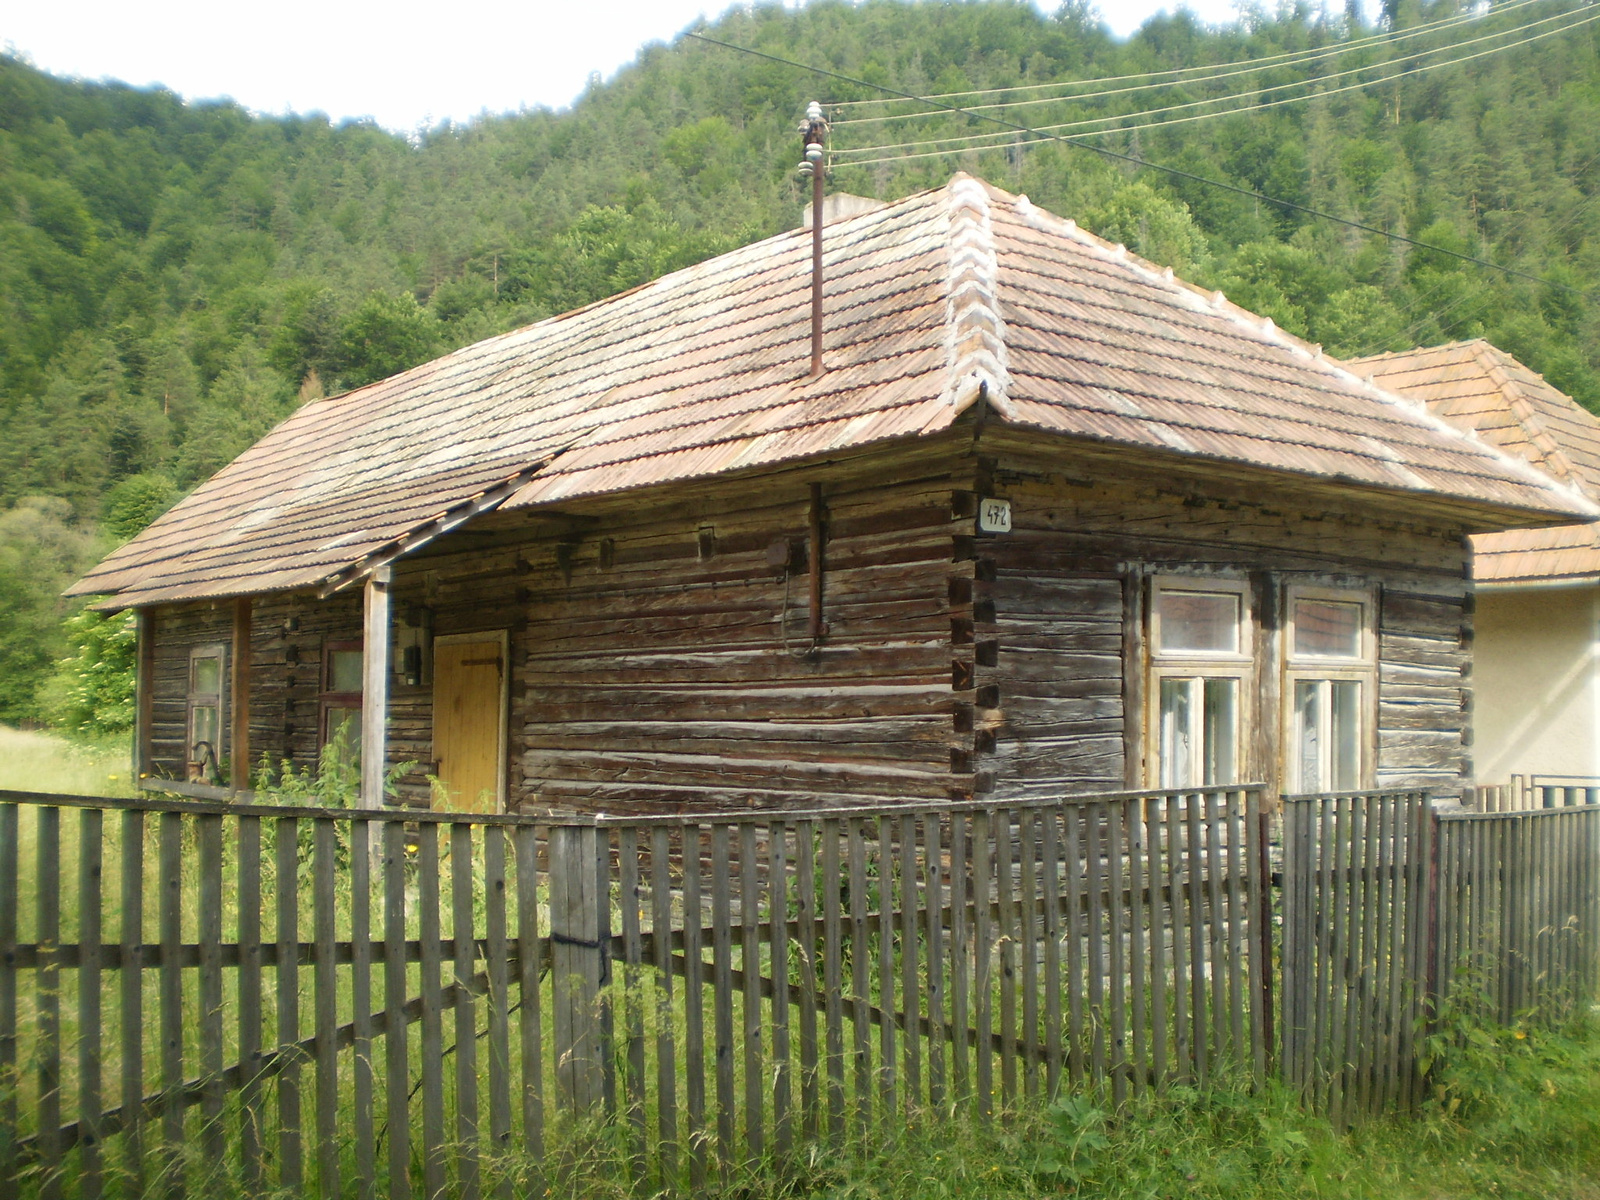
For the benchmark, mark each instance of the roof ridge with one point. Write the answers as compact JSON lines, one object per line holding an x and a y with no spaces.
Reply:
{"x":1527,"y":416}
{"x":975,"y":335}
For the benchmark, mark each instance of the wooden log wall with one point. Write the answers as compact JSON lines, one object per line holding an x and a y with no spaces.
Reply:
{"x":661,"y":659}
{"x":1066,"y":589}
{"x":175,"y":631}
{"x":288,"y":635}
{"x":660,"y":655}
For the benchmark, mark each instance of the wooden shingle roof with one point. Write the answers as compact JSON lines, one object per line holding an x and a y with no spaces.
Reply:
{"x":930,"y":302}
{"x":1480,"y":388}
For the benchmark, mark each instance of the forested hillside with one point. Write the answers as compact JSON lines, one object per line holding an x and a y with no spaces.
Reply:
{"x":176,"y":278}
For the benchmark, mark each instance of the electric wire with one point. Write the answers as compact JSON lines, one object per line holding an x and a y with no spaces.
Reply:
{"x":980,"y":141}
{"x":1199,"y":73}
{"x":1255,"y":66}
{"x":1175,"y":172}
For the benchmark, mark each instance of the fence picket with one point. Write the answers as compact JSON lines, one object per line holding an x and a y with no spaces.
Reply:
{"x":90,"y":1173}
{"x":960,"y":956}
{"x":47,"y":884}
{"x":888,"y":1071}
{"x":933,"y":892}
{"x":1027,"y":841}
{"x":530,"y":961}
{"x":463,"y":931}
{"x":1005,"y":858}
{"x":750,"y":967}
{"x":833,"y":976}
{"x":362,"y":1074}
{"x":397,"y":1065}
{"x":132,"y":999}
{"x":722,"y":993}
{"x":778,"y":953}
{"x":1116,"y":959}
{"x":693,"y":1014}
{"x":498,"y":950}
{"x":629,"y":900}
{"x":325,"y":1003}
{"x":666,"y":1058}
{"x":910,"y":1020}
{"x":805,"y":887}
{"x":983,"y":886}
{"x":287,"y":883}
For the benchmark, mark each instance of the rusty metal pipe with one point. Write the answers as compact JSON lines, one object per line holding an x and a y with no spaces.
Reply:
{"x":816,"y":269}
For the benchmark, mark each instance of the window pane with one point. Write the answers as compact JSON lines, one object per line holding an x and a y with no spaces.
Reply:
{"x":1345,"y":734}
{"x":1221,"y":730}
{"x":1200,"y":621}
{"x":203,"y":727}
{"x":206,"y":675}
{"x":1308,"y":707}
{"x":1177,"y":733}
{"x":1327,"y":629}
{"x":344,"y":671}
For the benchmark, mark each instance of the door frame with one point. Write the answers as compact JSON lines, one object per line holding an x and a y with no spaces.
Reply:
{"x":504,"y":639}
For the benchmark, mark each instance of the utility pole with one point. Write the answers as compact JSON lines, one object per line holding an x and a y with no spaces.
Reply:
{"x":813,"y":136}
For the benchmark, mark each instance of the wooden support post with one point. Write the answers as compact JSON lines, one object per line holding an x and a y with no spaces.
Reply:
{"x":144,"y":692}
{"x":374,"y":687}
{"x":578,"y":921}
{"x":239,"y":704}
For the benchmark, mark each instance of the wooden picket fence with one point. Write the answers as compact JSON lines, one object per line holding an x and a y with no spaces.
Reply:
{"x":245,"y":998}
{"x":1356,"y":947}
{"x":1519,"y":896}
{"x":255,"y":997}
{"x":1523,"y":792}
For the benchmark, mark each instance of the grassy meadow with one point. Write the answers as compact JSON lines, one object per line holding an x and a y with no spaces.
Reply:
{"x":31,"y":761}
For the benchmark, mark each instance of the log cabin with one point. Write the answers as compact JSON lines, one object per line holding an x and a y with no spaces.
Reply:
{"x":1048,"y":520}
{"x":1537,"y":591}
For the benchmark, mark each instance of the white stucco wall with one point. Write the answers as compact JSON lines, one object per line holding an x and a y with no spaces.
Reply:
{"x":1536,"y":704}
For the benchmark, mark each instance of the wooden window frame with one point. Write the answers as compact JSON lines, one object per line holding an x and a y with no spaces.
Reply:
{"x":327,"y":698}
{"x":194,"y":700}
{"x":1307,"y":668}
{"x":1238,"y":665}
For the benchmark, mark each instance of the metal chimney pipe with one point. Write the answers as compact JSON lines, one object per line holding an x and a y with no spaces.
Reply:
{"x":814,"y":133}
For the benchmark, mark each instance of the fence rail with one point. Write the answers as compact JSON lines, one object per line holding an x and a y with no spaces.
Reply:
{"x":394,"y":1003}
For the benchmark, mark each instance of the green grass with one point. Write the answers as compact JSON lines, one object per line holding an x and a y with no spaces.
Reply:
{"x":41,"y":762}
{"x":1515,"y":1113}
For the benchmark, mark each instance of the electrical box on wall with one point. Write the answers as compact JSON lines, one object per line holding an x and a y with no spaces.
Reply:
{"x":994,"y":516}
{"x":414,"y":647}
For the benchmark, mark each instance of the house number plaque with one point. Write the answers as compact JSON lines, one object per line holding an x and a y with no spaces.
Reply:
{"x":994,"y":516}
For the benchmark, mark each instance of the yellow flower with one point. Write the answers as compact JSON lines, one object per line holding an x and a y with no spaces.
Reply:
{"x":1520,"y":1035}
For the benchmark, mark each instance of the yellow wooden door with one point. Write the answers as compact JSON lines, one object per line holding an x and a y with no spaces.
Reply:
{"x":468,"y":721}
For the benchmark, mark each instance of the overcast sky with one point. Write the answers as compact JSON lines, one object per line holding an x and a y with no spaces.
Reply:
{"x":400,"y":62}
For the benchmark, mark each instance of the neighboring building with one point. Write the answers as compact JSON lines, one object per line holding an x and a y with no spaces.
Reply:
{"x":1537,"y":672}
{"x":1072,"y":525}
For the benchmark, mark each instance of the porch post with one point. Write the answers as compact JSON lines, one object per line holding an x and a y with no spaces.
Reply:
{"x":374,"y":688}
{"x":144,"y":693}
{"x":239,"y":707}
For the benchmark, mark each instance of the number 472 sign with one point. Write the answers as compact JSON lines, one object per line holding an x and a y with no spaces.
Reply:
{"x":994,"y":516}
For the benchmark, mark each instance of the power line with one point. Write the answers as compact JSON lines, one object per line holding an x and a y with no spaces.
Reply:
{"x":1206,"y":74}
{"x":1176,"y":172}
{"x":969,"y":141}
{"x":1199,"y":74}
